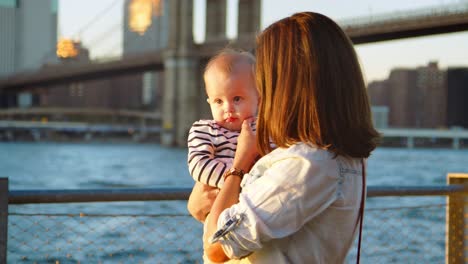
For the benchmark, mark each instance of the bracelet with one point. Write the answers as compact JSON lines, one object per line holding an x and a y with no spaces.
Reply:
{"x":235,"y":172}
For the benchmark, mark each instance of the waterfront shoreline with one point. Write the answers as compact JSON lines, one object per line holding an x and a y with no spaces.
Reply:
{"x":155,"y":139}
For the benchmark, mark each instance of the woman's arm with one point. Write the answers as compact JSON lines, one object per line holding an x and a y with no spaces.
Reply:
{"x":229,"y":195}
{"x":201,"y":200}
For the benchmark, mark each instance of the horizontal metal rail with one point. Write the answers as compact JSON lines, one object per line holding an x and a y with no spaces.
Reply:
{"x":435,"y":190}
{"x":74,"y":127}
{"x":79,"y":111}
{"x":166,"y":194}
{"x":97,"y":195}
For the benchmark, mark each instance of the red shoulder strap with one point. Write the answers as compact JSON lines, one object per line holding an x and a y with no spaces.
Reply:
{"x":361,"y":210}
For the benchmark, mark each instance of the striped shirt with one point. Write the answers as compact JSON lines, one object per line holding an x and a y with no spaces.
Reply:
{"x":211,"y":150}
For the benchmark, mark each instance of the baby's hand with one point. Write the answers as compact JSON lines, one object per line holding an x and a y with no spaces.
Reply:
{"x":201,"y":199}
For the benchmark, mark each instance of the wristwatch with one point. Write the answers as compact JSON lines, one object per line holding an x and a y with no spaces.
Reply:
{"x":235,"y":172}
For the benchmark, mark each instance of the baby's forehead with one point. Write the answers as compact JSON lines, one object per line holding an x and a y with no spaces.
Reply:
{"x":230,"y":85}
{"x":220,"y":74}
{"x":227,"y":67}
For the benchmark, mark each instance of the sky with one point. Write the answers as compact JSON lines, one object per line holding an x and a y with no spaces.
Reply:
{"x":99,"y":28}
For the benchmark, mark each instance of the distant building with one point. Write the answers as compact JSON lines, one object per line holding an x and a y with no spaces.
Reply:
{"x":402,"y":96}
{"x":416,"y":98}
{"x":28,"y":31}
{"x":457,"y":96}
{"x":378,"y":93}
{"x":431,"y":97}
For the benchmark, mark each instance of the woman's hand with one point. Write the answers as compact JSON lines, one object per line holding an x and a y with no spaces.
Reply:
{"x":246,"y":152}
{"x":201,"y":199}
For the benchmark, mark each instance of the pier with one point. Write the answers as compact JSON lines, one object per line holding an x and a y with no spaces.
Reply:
{"x":139,"y":125}
{"x":78,"y":123}
{"x":410,"y":135}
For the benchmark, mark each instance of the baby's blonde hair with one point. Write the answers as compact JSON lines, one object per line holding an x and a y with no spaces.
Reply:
{"x":228,"y":60}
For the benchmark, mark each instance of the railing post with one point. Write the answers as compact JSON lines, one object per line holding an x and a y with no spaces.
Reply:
{"x":410,"y":142}
{"x":456,"y":143}
{"x":456,"y":223}
{"x":142,"y":128}
{"x":3,"y":219}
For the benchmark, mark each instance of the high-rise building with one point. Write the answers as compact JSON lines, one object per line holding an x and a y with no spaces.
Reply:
{"x":416,"y":98}
{"x":402,"y":96}
{"x":378,"y":93}
{"x":29,"y":36}
{"x":431,"y":97}
{"x":457,"y":94}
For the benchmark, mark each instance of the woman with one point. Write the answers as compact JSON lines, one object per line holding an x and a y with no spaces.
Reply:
{"x":299,"y":203}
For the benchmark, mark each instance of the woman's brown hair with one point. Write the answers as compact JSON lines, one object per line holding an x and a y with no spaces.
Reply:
{"x":311,"y":88}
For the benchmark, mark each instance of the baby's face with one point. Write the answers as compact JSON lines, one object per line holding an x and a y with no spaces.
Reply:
{"x":232,"y":98}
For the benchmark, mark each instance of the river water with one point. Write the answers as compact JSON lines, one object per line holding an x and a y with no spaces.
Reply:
{"x":106,"y":165}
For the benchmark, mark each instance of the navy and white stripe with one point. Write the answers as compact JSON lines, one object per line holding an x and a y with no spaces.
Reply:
{"x":211,"y":150}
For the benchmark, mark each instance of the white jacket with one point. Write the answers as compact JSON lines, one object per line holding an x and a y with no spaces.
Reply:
{"x":298,"y":205}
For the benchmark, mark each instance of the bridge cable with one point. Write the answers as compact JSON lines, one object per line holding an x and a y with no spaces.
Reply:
{"x":96,"y":18}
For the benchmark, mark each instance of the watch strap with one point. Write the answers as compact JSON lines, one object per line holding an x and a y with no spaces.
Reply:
{"x":234,"y":172}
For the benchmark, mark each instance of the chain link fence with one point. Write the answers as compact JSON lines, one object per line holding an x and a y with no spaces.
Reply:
{"x":103,"y":238}
{"x":391,"y":234}
{"x":411,"y":234}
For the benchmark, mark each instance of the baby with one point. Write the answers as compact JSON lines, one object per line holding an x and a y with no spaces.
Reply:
{"x":233,"y":97}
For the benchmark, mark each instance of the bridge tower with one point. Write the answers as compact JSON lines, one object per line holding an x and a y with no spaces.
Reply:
{"x":248,"y":23}
{"x":181,"y":80}
{"x":184,"y":95}
{"x":215,"y":29}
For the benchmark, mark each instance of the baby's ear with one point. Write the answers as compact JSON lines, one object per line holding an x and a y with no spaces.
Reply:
{"x":208,"y":100}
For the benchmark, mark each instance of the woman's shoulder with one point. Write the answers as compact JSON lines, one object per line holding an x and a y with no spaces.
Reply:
{"x":302,"y":150}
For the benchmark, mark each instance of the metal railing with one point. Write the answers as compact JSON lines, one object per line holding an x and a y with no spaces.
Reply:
{"x":168,"y":235}
{"x":171,"y":194}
